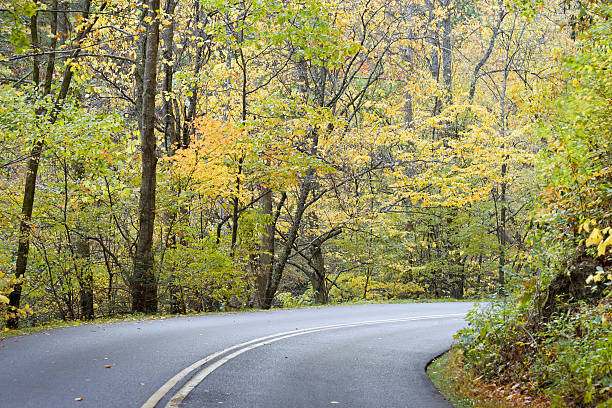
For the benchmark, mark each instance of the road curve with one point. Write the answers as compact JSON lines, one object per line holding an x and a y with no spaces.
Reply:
{"x":369,"y":356}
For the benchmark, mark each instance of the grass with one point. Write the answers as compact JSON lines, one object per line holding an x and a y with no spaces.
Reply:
{"x":444,"y":380}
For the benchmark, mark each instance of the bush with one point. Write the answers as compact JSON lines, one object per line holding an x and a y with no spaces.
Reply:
{"x":568,"y":358}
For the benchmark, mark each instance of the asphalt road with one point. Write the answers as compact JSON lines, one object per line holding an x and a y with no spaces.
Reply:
{"x":369,"y":356}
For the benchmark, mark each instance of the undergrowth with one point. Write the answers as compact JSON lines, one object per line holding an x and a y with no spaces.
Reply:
{"x":465,"y":389}
{"x":568,"y":358}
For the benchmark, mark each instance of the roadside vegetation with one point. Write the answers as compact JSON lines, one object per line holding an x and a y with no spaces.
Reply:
{"x":174,"y":157}
{"x":552,"y":332}
{"x":463,"y":389}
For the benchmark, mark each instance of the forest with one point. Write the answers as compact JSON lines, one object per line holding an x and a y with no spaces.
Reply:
{"x":172,"y":157}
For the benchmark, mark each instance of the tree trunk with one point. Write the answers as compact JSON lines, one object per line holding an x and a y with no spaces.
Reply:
{"x":434,"y":56}
{"x":23,"y":249}
{"x":144,"y":284}
{"x":502,"y":230}
{"x":267,"y":250}
{"x":447,"y":59}
{"x":317,"y":278}
{"x":487,"y":53}
{"x":169,"y":120}
{"x":24,"y":232}
{"x":408,"y":106}
{"x":86,"y":282}
{"x":279,"y":267}
{"x":504,"y":169}
{"x":27,"y":206}
{"x":367,"y":282}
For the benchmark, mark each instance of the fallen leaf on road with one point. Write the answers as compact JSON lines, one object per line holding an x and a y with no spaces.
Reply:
{"x":107,"y":366}
{"x":227,"y":394}
{"x":79,"y":399}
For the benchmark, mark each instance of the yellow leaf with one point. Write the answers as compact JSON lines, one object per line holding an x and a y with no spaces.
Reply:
{"x":595,"y":238}
{"x":585,"y":226}
{"x":601,"y":248}
{"x":4,"y":299}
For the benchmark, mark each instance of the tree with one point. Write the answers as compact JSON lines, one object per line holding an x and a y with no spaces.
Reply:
{"x":144,"y":285}
{"x":49,"y":114}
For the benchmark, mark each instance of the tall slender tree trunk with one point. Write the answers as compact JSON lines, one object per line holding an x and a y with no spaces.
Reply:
{"x":267,"y":249}
{"x":23,"y":249}
{"x":502,"y":230}
{"x":27,"y":206}
{"x":434,"y":55}
{"x":86,"y":281}
{"x":408,"y":106}
{"x":171,"y":142}
{"x":169,"y":119}
{"x":82,"y":255}
{"x":243,"y":118}
{"x":144,"y":283}
{"x":503,"y":186}
{"x":447,"y":59}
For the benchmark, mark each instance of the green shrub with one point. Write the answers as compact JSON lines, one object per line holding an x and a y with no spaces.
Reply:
{"x":569,"y":357}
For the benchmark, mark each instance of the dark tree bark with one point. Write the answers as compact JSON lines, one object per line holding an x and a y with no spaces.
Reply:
{"x":23,"y":249}
{"x":317,"y":278}
{"x":434,"y":55}
{"x":82,"y":255}
{"x":86,"y":292}
{"x":267,"y":249}
{"x":236,"y":209}
{"x":190,"y":108}
{"x":408,"y":108}
{"x":502,"y":229}
{"x":171,"y":143}
{"x":141,"y":51}
{"x":169,"y":119}
{"x":144,"y":284}
{"x":447,"y":59}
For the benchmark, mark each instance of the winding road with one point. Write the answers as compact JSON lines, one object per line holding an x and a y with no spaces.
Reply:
{"x":368,"y":356}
